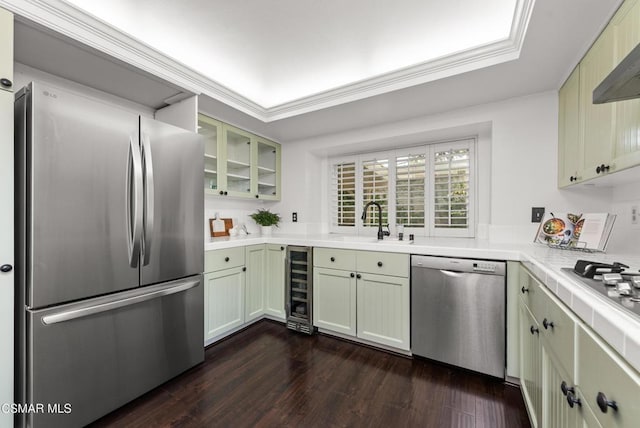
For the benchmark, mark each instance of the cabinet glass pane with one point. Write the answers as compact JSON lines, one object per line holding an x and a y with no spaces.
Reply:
{"x":238,"y":162}
{"x":267,"y":165}
{"x":210,"y":131}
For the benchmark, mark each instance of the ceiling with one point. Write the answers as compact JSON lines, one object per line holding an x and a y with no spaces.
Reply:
{"x":557,"y":35}
{"x":286,"y":56}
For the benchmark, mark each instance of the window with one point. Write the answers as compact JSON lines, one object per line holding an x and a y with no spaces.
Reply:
{"x":428,"y":189}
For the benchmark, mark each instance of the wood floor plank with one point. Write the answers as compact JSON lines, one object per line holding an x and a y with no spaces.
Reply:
{"x":268,"y":376}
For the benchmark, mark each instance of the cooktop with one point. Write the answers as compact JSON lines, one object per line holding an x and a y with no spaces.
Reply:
{"x":620,"y":287}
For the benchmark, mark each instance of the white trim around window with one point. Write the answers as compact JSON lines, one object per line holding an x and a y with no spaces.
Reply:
{"x":430,"y":189}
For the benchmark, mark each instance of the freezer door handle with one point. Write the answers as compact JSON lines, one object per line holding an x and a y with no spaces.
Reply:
{"x":134,"y":202}
{"x":147,"y":230}
{"x":73,"y":314}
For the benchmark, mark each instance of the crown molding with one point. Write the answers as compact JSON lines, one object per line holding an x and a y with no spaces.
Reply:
{"x":66,"y":19}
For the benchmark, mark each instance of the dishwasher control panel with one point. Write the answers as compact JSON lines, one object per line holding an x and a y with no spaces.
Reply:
{"x":482,"y":266}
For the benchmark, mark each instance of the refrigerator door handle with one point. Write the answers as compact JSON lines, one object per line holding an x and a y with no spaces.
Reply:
{"x":115,"y":303}
{"x":134,"y":202}
{"x":147,"y":230}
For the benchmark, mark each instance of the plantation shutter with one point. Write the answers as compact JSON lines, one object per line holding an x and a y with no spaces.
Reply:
{"x":410,"y":190}
{"x":452,"y":188}
{"x":375,"y":187}
{"x":343,"y":201}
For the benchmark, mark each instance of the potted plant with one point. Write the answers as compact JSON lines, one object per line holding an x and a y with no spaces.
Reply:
{"x":266,"y":219}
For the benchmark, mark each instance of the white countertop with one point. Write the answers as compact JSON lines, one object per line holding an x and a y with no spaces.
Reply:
{"x":620,"y":328}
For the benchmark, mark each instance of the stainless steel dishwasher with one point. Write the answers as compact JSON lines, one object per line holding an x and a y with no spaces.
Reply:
{"x":458,"y":312}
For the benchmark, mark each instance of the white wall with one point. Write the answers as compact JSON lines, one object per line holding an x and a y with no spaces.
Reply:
{"x":517,"y":164}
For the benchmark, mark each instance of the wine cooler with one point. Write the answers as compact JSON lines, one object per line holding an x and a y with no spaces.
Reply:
{"x":299,"y":291}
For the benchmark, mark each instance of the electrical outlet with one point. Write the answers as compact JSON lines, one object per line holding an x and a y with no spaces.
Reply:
{"x":634,"y":214}
{"x":294,"y":217}
{"x":536,"y":214}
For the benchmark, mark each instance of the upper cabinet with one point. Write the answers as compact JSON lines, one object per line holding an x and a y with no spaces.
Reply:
{"x":6,"y":50}
{"x":238,"y":163}
{"x":598,"y":139}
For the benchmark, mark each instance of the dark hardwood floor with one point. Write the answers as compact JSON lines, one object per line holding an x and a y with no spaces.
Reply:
{"x":268,"y":376}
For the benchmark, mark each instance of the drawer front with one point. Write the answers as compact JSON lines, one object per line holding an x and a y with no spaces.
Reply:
{"x":393,"y":264}
{"x":602,"y":371}
{"x":223,"y":259}
{"x":333,"y":258}
{"x":557,"y":329}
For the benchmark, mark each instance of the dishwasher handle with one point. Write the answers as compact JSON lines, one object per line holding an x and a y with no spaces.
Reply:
{"x":452,"y":273}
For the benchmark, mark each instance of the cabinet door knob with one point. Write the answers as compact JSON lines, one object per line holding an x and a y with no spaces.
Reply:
{"x":604,"y":404}
{"x":6,"y":268}
{"x":226,"y":259}
{"x":358,"y":276}
{"x":566,"y":389}
{"x":379,"y":264}
{"x":534,"y":330}
{"x":226,"y":193}
{"x":244,"y":269}
{"x":547,"y":324}
{"x":333,"y":259}
{"x":352,"y":275}
{"x":6,"y":82}
{"x":222,"y":192}
{"x":281,"y":248}
{"x":524,"y":290}
{"x":573,"y":400}
{"x":257,"y":196}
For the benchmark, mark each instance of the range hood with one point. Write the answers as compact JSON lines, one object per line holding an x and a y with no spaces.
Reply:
{"x":623,"y":83}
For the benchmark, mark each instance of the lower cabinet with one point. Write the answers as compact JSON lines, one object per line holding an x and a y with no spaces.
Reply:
{"x":274,"y":281}
{"x":568,"y":375}
{"x":368,"y":297}
{"x":254,"y":288}
{"x":242,"y":285}
{"x":384,"y":310}
{"x":334,"y":300}
{"x":530,"y":365}
{"x":224,"y":301}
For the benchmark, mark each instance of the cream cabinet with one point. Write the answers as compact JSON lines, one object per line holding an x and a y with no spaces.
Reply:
{"x":6,"y":50}
{"x":255,"y":258}
{"x":238,"y":163}
{"x":569,"y":376}
{"x":334,"y":300}
{"x":275,"y":281}
{"x":224,"y":302}
{"x":596,"y":120}
{"x":363,"y":294}
{"x":570,"y":147}
{"x":530,"y":365}
{"x":610,"y":387}
{"x":599,"y":139}
{"x":383,"y":314}
{"x":626,"y":143}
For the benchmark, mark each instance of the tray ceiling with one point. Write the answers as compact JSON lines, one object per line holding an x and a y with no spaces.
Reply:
{"x":279,"y":58}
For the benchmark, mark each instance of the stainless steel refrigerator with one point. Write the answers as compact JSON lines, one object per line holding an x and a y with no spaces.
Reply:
{"x":109,"y":255}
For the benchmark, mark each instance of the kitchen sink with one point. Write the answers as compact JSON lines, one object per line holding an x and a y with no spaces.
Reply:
{"x":374,"y":240}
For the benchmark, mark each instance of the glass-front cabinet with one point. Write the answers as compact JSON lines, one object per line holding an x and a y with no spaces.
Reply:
{"x":212,"y":131}
{"x":238,"y":163}
{"x":267,"y":177}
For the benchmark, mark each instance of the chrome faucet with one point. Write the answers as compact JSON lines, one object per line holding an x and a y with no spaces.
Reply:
{"x":381,"y":233}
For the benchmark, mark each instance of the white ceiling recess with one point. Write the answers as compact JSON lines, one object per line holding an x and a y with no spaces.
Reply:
{"x":274,"y":59}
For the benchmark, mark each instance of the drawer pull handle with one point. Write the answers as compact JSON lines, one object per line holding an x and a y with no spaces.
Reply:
{"x":226,"y":259}
{"x":566,"y":389}
{"x":604,"y":404}
{"x":333,"y":259}
{"x":358,"y":276}
{"x":379,"y":264}
{"x":534,"y":330}
{"x":573,"y":400}
{"x":524,"y":290}
{"x":353,"y":275}
{"x":547,"y":324}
